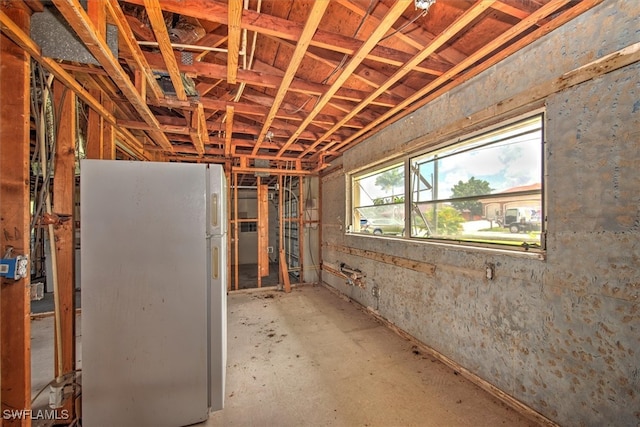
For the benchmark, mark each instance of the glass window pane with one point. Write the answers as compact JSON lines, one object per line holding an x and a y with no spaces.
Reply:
{"x":513,"y":221}
{"x":487,"y":189}
{"x":378,"y":201}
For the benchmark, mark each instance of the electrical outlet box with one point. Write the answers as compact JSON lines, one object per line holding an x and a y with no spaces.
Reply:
{"x":37,"y":291}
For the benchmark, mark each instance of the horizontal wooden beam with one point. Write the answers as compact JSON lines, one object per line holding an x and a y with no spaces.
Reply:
{"x":411,"y":264}
{"x":274,"y":171}
{"x":282,"y":28}
{"x":425,"y":94}
{"x":156,"y":19}
{"x":451,"y":31}
{"x":127,"y":36}
{"x":77,"y":18}
{"x":21,"y":38}
{"x":271,"y":81}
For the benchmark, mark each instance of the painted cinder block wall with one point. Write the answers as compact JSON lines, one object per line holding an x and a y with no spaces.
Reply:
{"x":562,"y":335}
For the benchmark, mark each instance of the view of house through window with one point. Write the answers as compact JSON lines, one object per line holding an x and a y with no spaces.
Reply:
{"x":484,"y":190}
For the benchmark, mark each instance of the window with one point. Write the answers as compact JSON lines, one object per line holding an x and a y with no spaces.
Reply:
{"x":248,"y":227}
{"x":482,"y":190}
{"x":378,"y":201}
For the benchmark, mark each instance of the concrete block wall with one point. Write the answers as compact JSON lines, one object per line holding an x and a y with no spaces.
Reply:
{"x":562,"y":334}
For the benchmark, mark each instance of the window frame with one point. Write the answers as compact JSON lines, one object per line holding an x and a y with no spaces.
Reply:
{"x":451,"y":147}
{"x":366,"y":173}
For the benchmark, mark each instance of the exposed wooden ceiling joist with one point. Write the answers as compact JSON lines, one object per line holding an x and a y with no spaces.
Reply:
{"x":478,"y":8}
{"x":154,"y":11}
{"x":360,"y":55}
{"x":309,"y":30}
{"x":319,"y":78}
{"x":78,"y":19}
{"x":233,"y":41}
{"x":126,"y":35}
{"x":513,"y":32}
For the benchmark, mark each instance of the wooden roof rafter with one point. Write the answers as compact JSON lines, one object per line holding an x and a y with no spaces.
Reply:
{"x":288,"y":30}
{"x":79,"y":21}
{"x":233,"y":42}
{"x":472,"y":13}
{"x":515,"y":31}
{"x":313,"y":90}
{"x":393,"y":14}
{"x":127,"y":35}
{"x":164,"y":43}
{"x":315,"y":15}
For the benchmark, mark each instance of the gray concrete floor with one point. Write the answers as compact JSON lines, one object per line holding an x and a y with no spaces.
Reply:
{"x":248,"y":276}
{"x":310,"y":358}
{"x":42,"y":361}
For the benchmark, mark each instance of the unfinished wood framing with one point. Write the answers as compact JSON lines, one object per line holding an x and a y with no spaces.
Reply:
{"x":63,"y":207}
{"x":230,"y":231}
{"x":15,"y":301}
{"x":95,"y":128}
{"x":359,"y":56}
{"x":439,"y":41}
{"x":229,"y":147}
{"x":235,"y":229}
{"x":129,"y":38}
{"x":301,"y":230}
{"x":309,"y":30}
{"x":154,"y":12}
{"x":109,"y":135}
{"x":233,"y":40}
{"x":425,"y":94}
{"x":281,"y":253}
{"x":263,"y":231}
{"x":77,"y":17}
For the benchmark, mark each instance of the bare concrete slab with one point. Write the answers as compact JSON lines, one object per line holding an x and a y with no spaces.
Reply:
{"x":310,"y":358}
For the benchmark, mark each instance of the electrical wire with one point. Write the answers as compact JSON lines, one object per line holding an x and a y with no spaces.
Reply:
{"x":340,"y":64}
{"x":418,"y":16}
{"x":345,"y":57}
{"x":60,"y":378}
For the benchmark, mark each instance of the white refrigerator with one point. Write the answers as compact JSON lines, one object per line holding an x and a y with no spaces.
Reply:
{"x":153,"y":289}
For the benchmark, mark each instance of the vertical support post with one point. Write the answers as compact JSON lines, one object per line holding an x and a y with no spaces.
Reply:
{"x":319,"y":230}
{"x":227,"y":175}
{"x":236,"y":237}
{"x":15,"y":300}
{"x":64,"y":185}
{"x":98,"y":15}
{"x":281,"y":226}
{"x":301,"y":230}
{"x":109,"y":133}
{"x":263,"y":230}
{"x":95,"y":135}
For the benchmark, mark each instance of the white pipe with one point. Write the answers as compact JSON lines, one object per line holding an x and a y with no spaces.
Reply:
{"x":191,"y":47}
{"x":52,"y":243}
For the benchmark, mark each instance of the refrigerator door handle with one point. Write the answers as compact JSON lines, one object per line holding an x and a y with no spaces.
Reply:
{"x":214,"y":209}
{"x":216,"y":262}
